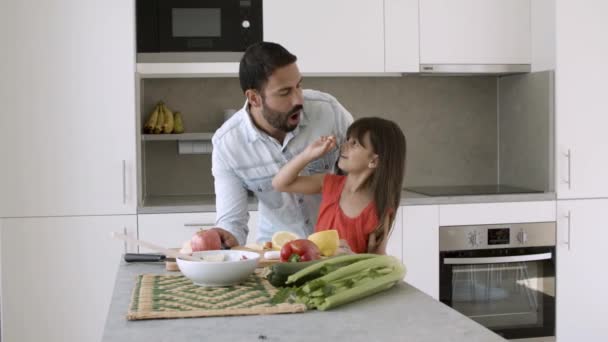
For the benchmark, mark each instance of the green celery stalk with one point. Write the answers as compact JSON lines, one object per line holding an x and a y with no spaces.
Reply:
{"x":363,"y":290}
{"x":333,"y":261}
{"x":381,"y":261}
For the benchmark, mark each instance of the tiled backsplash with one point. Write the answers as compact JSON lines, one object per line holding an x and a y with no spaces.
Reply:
{"x":450,"y":124}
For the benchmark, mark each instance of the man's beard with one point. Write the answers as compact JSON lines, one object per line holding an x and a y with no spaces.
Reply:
{"x":279,"y":120}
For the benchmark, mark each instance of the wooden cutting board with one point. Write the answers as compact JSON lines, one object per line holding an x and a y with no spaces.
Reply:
{"x":171,"y":264}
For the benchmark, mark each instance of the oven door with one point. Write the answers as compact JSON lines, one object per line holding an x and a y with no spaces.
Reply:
{"x":209,"y":25}
{"x":510,"y":291}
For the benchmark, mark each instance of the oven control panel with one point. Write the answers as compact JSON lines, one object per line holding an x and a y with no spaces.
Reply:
{"x":497,"y":236}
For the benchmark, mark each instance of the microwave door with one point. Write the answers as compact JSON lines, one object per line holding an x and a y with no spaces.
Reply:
{"x":190,"y":25}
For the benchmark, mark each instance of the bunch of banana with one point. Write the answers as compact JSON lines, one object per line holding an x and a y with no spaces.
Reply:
{"x":162,"y":120}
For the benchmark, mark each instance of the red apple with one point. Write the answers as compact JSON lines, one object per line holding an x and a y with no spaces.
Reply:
{"x":206,"y":240}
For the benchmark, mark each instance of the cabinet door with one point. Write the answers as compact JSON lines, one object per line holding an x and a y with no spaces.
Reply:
{"x":580,"y":98}
{"x":475,"y":32}
{"x":421,"y":247}
{"x":68,"y":108}
{"x":395,"y":241}
{"x":338,"y":36}
{"x":58,"y":276}
{"x":401,"y":39}
{"x":582,"y":299}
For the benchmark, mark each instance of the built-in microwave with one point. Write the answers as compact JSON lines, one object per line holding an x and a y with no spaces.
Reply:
{"x":196,"y":30}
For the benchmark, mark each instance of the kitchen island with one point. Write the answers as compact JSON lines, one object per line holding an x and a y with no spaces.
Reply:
{"x":402,"y":313}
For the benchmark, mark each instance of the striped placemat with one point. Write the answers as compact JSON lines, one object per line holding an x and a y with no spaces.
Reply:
{"x":175,"y":296}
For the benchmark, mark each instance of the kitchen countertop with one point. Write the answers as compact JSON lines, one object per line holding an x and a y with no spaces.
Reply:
{"x":206,"y":203}
{"x":402,"y":313}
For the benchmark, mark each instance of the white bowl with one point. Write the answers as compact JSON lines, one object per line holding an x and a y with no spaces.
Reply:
{"x":235,"y":269}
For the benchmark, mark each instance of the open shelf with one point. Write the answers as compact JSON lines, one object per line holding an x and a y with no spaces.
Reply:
{"x":172,"y":70}
{"x":177,"y":137}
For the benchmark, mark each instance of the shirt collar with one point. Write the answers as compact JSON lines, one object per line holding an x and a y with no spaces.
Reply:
{"x":254,"y":133}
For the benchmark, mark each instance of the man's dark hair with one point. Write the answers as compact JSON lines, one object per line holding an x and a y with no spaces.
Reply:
{"x":260,"y":61}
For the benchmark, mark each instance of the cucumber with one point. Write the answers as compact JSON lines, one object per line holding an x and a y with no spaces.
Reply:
{"x":278,"y":273}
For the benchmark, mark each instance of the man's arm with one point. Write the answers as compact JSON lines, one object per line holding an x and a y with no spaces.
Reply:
{"x":230,"y":202}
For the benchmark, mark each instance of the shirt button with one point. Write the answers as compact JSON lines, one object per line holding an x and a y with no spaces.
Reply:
{"x":326,"y":166}
{"x":307,"y":221}
{"x":301,"y":200}
{"x":260,"y":189}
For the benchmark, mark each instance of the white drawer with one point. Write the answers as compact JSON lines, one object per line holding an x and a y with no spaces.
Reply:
{"x":172,"y":230}
{"x":496,"y":213}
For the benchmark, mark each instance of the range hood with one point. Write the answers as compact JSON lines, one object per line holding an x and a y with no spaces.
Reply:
{"x":474,"y":69}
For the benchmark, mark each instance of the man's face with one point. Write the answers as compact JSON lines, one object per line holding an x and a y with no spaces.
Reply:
{"x":282,"y":98}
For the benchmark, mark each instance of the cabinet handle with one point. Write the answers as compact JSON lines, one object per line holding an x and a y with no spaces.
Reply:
{"x":568,"y":242}
{"x":569,"y":179}
{"x":124,"y":181}
{"x":124,"y":230}
{"x":198,"y":224}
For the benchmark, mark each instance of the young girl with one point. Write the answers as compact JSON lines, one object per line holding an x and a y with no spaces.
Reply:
{"x":361,"y":206}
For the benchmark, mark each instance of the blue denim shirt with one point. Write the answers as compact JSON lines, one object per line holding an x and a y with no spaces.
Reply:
{"x":245,"y":158}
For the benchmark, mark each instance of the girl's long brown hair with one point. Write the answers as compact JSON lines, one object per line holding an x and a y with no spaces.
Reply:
{"x":388,"y":142}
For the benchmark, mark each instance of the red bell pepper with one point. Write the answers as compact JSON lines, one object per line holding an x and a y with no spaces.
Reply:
{"x":300,"y":250}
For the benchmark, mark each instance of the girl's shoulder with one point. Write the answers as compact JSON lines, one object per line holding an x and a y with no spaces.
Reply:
{"x":333,"y":183}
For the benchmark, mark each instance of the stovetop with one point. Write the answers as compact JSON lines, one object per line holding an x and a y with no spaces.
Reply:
{"x":470,"y":190}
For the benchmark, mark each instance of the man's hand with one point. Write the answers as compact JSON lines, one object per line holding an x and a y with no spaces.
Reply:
{"x":344,"y":248}
{"x":227,"y":238}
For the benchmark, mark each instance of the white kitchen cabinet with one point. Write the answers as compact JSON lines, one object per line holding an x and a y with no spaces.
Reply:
{"x":581,"y":298}
{"x":401,"y":36}
{"x":172,"y":230}
{"x":421,"y":247}
{"x":338,"y":36}
{"x":475,"y":32}
{"x":395,"y":241}
{"x":68,"y":108}
{"x":58,"y":276}
{"x":581,"y":110}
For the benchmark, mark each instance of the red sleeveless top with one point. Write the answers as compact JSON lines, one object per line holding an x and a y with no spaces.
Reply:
{"x":355,"y":230}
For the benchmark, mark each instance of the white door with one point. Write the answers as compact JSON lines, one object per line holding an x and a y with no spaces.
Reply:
{"x":475,"y":32}
{"x":58,"y":276}
{"x":581,"y":109}
{"x":582,"y":299}
{"x":338,"y":36}
{"x":68,"y":108}
{"x":421,"y":247}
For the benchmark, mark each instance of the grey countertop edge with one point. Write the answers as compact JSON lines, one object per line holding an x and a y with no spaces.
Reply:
{"x":407,"y":199}
{"x":401,"y":313}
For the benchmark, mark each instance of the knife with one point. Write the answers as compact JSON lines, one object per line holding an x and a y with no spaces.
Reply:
{"x":142,"y":257}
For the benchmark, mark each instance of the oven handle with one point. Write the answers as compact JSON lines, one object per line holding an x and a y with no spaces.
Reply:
{"x":495,"y":260}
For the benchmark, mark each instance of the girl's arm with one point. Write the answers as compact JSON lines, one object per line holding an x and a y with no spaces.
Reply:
{"x":288,"y":178}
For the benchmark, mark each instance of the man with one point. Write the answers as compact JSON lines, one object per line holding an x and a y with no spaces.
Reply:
{"x":277,"y":122}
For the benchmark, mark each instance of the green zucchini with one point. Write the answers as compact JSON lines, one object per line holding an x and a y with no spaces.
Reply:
{"x":277,"y":274}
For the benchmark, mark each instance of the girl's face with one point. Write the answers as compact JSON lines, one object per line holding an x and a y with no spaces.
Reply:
{"x":356,"y":156}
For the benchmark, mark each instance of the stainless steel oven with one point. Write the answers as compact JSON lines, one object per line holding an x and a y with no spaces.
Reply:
{"x":196,"y":30}
{"x":502,"y":276}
